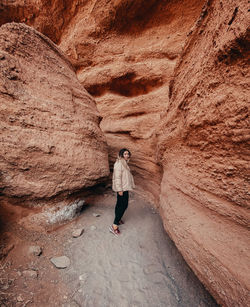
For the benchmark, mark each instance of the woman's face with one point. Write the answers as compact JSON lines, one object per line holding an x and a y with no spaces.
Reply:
{"x":126,"y":155}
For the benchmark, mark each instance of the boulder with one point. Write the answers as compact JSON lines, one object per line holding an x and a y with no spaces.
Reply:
{"x":51,"y":142}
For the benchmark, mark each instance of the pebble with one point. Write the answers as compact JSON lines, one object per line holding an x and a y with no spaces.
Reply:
{"x":61,"y":262}
{"x":19,"y":298}
{"x":83,"y":277}
{"x":30,"y":273}
{"x":93,"y":227}
{"x":35,"y":250}
{"x":96,"y":214}
{"x":77,"y":232}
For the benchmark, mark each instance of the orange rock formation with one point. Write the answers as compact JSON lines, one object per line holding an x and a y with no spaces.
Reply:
{"x":125,"y":53}
{"x":203,"y":146}
{"x":51,"y":142}
{"x":169,"y":80}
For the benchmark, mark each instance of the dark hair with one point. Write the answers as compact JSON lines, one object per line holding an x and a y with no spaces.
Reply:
{"x":121,"y":152}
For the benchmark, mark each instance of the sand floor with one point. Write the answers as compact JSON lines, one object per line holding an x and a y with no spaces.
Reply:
{"x":139,"y":268}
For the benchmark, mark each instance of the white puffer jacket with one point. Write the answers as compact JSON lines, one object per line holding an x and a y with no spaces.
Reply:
{"x":122,"y":177}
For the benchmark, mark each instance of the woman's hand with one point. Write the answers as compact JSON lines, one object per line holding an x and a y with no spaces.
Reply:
{"x":120,"y":193}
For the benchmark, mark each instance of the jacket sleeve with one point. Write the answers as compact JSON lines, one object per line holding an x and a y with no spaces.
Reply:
{"x":117,"y":177}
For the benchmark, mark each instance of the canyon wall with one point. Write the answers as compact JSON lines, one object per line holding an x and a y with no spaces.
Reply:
{"x":204,"y":150}
{"x":170,"y":81}
{"x":51,"y":142}
{"x":125,"y":53}
{"x":49,"y":17}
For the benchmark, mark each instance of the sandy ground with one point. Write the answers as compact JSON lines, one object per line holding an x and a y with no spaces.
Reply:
{"x":141,"y":267}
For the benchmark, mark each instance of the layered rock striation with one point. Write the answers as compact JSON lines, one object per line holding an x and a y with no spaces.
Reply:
{"x":204,"y":150}
{"x":170,"y":82}
{"x":125,"y":53}
{"x":47,"y":17}
{"x":51,"y":143}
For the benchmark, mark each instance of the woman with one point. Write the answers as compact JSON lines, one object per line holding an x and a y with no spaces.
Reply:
{"x":122,"y":183}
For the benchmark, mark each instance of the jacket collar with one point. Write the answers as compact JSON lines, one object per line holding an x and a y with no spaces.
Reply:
{"x":123,"y":161}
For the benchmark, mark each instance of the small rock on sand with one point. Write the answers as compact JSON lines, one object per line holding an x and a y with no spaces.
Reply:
{"x":61,"y":262}
{"x":96,"y":214}
{"x":77,"y":232}
{"x":83,"y":277}
{"x":30,"y":273}
{"x":19,"y":298}
{"x":35,"y":250}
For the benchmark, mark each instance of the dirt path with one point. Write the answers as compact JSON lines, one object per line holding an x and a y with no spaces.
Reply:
{"x":140,"y":268}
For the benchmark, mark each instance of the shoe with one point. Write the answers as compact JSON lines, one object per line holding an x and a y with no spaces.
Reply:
{"x":114,"y":231}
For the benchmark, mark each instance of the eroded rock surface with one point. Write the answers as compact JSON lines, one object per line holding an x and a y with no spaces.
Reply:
{"x":204,"y":149}
{"x":51,"y":142}
{"x":48,"y":17}
{"x":125,"y":53}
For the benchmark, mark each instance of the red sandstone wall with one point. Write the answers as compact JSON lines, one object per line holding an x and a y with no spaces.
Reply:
{"x":49,"y":17}
{"x":125,"y":54}
{"x":51,"y":142}
{"x":204,"y":149}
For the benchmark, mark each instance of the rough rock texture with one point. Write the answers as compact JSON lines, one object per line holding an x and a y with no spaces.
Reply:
{"x":49,"y":17}
{"x":204,"y":149}
{"x":51,"y":142}
{"x":125,"y":53}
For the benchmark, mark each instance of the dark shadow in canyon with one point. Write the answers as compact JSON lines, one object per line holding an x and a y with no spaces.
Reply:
{"x":127,"y":85}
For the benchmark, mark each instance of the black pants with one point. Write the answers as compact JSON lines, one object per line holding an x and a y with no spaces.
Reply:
{"x":121,"y":206}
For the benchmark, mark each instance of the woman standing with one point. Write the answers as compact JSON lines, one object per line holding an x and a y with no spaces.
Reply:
{"x":122,"y":183}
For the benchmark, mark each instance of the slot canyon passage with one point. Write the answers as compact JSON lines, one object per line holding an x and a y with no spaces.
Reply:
{"x":167,"y":79}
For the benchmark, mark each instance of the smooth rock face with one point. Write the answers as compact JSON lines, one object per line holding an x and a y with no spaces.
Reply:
{"x":50,"y":137}
{"x":203,"y":147}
